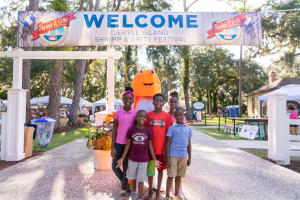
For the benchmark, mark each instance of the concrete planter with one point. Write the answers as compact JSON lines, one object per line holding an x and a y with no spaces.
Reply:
{"x":103,"y":160}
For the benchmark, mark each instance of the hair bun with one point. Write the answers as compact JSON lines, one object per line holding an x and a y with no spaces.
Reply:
{"x":128,"y":88}
{"x":173,"y":93}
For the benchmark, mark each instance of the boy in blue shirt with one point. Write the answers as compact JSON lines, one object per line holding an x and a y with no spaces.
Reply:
{"x":178,"y":151}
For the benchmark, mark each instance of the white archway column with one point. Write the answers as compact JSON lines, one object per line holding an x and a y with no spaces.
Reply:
{"x":110,"y":83}
{"x":278,"y":129}
{"x":16,"y":110}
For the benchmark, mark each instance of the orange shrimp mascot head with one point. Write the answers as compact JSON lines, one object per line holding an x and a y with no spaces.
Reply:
{"x":145,"y":85}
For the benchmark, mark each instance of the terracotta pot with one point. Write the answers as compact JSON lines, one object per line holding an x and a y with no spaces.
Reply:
{"x":103,"y":160}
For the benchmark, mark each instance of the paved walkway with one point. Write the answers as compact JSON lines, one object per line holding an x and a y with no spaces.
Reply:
{"x":255,"y":144}
{"x":218,"y":171}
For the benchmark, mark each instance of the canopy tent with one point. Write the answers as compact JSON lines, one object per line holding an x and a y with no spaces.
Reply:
{"x":3,"y":102}
{"x":85,"y":103}
{"x":292,"y":92}
{"x":45,"y":100}
{"x":63,"y":101}
{"x":102,"y":102}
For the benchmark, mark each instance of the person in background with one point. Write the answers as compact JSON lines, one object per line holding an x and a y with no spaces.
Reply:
{"x":293,"y":115}
{"x":178,"y":152}
{"x":123,"y":120}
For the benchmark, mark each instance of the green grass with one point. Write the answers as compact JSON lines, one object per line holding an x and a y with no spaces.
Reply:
{"x":59,"y":139}
{"x":213,"y":132}
{"x":261,"y":154}
{"x":222,"y":121}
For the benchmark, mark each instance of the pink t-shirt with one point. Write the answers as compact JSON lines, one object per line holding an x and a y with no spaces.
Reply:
{"x":125,"y":121}
{"x":294,"y":114}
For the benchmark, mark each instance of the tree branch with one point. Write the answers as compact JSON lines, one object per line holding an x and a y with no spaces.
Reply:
{"x":97,"y":5}
{"x":195,"y":1}
{"x":118,"y":5}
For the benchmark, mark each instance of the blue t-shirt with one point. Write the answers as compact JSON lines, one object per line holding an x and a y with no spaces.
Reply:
{"x":180,"y":139}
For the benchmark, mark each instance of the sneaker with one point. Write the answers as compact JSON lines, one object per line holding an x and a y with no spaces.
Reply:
{"x":177,"y":198}
{"x":181,"y":194}
{"x":134,"y":195}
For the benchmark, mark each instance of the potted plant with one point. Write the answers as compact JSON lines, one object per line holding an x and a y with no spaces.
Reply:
{"x":99,"y":139}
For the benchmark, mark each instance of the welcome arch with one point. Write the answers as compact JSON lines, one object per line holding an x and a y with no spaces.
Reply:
{"x":87,"y":28}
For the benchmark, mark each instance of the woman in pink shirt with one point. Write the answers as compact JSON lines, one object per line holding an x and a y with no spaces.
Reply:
{"x":293,"y":115}
{"x":123,"y":120}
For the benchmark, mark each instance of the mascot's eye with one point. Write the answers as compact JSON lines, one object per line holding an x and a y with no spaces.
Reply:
{"x":153,"y":71}
{"x":140,"y":71}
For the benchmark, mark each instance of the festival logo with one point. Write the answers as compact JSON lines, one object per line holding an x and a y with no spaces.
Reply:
{"x":228,"y":31}
{"x":53,"y":31}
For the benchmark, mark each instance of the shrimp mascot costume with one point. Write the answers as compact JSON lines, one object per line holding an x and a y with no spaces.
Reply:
{"x":145,"y":85}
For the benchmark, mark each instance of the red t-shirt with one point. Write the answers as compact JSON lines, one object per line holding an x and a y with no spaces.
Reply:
{"x":159,"y":123}
{"x":139,"y":143}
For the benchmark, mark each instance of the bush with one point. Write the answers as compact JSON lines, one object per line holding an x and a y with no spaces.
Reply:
{"x":86,"y":121}
{"x":3,"y":94}
{"x":82,"y":115}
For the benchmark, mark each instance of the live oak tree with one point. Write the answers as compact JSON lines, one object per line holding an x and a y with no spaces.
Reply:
{"x":166,"y":59}
{"x":281,"y":33}
{"x":56,"y":72}
{"x":185,"y":55}
{"x":214,"y":77}
{"x":80,"y":74}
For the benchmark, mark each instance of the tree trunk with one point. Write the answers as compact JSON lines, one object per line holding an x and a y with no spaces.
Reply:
{"x":215,"y":106}
{"x":186,"y":76}
{"x":209,"y":102}
{"x":169,"y":84}
{"x":55,"y":90}
{"x":26,"y":84}
{"x":77,"y":90}
{"x":79,"y":79}
{"x":33,"y":5}
{"x":103,"y":94}
{"x":186,"y":79}
{"x":240,"y":81}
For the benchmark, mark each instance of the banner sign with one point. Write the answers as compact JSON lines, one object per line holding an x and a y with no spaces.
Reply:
{"x":87,"y":28}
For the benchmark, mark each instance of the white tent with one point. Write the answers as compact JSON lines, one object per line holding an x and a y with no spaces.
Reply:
{"x":103,"y":101}
{"x":63,"y":100}
{"x":85,"y":103}
{"x":292,"y":92}
{"x":3,"y":102}
{"x":45,"y":100}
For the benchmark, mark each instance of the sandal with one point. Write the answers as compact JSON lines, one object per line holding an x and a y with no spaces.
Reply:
{"x":149,"y":196}
{"x":123,"y":196}
{"x":181,"y":193}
